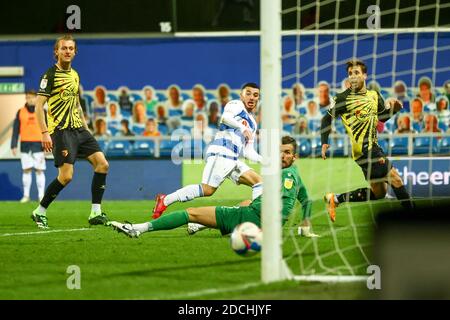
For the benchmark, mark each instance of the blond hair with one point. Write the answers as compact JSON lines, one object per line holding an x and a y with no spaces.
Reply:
{"x":66,"y":37}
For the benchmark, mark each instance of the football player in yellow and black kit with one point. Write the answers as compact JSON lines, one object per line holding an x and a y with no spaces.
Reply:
{"x":360,"y":110}
{"x":66,"y":134}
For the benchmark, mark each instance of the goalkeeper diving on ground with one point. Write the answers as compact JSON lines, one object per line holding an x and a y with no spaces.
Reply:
{"x":227,"y":218}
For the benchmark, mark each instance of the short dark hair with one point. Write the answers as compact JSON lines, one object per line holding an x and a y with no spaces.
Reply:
{"x":251,"y":85}
{"x":291,"y":141}
{"x":33,"y":92}
{"x":356,"y":63}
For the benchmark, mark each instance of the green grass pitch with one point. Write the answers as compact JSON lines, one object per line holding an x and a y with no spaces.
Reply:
{"x":173,"y":265}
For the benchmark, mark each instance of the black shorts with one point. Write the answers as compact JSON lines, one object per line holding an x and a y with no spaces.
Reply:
{"x":374,"y":164}
{"x":70,"y":144}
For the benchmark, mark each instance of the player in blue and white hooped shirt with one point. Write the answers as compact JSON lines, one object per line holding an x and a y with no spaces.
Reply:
{"x":236,"y":136}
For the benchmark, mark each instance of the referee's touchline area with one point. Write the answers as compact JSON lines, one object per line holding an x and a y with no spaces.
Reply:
{"x":43,"y":232}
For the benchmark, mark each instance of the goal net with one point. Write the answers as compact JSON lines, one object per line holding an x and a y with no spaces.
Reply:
{"x":405,"y":45}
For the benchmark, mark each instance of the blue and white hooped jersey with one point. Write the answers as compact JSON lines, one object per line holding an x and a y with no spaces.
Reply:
{"x":228,"y":141}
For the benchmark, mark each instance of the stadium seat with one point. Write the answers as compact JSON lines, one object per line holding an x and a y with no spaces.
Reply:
{"x":443,"y":146}
{"x":118,"y":148}
{"x":425,"y":145}
{"x":314,"y":125}
{"x":304,"y":147}
{"x":234,"y":96}
{"x":143,"y":149}
{"x":88,"y":98}
{"x":288,"y":127}
{"x":398,"y":146}
{"x":390,"y":125}
{"x":443,"y":126}
{"x":112,"y":97}
{"x":161,"y":96}
{"x":210,"y":96}
{"x":166,"y":146}
{"x":193,"y":148}
{"x":337,"y":147}
{"x":113,"y":130}
{"x":185,"y":96}
{"x":135,"y":97}
{"x":316,"y":147}
{"x":163,"y":129}
{"x":103,"y":144}
{"x":137,"y":129}
{"x":175,"y":113}
{"x":384,"y":144}
{"x":384,"y":93}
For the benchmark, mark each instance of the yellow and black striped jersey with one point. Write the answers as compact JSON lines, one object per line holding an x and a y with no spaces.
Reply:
{"x":61,"y":87}
{"x":359,"y":112}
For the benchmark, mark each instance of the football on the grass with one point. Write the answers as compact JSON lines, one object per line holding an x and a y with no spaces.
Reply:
{"x":246,"y":239}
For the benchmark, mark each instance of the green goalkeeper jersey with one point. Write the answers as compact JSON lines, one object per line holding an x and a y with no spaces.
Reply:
{"x":292,"y":188}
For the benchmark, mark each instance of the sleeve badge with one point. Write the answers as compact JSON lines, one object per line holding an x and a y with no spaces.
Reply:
{"x":288,"y":183}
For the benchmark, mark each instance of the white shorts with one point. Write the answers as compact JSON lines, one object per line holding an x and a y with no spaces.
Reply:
{"x":218,"y":168}
{"x":33,"y":160}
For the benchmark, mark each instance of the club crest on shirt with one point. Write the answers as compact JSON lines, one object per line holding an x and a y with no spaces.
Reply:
{"x":43,"y":84}
{"x":288,"y":183}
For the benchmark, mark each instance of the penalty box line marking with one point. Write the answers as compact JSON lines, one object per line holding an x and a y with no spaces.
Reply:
{"x":42,"y":232}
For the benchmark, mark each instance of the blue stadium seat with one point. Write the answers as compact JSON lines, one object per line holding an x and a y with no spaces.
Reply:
{"x":314,"y":125}
{"x":125,"y":114}
{"x":112,"y":97}
{"x":209,"y":96}
{"x":384,"y":93}
{"x":443,"y":126}
{"x":390,"y":125}
{"x":316,"y":147}
{"x":398,"y":146}
{"x":234,"y":96}
{"x":337,"y":147}
{"x":161,"y":96}
{"x":425,"y":145}
{"x":193,"y":148}
{"x":304,"y":147}
{"x":288,"y":127}
{"x":137,"y":129}
{"x":166,"y":146}
{"x":175,"y":113}
{"x":185,"y":96}
{"x":143,"y":149}
{"x":163,"y":129}
{"x":118,"y":148}
{"x":113,"y":130}
{"x":444,"y":146}
{"x":135,"y":97}
{"x":384,"y":144}
{"x":88,"y":98}
{"x":103,"y":144}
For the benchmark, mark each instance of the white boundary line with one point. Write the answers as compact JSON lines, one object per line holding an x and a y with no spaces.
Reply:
{"x":330,"y":278}
{"x":210,"y":291}
{"x":42,"y":232}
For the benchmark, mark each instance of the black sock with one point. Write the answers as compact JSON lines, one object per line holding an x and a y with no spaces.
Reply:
{"x":404,"y":197}
{"x":98,"y":187}
{"x":51,"y":193}
{"x":357,"y":195}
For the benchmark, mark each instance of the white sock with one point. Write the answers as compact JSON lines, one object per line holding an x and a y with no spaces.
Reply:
{"x":141,"y":227}
{"x":26,"y":180}
{"x":96,"y":208}
{"x":40,"y":183}
{"x":41,"y":210}
{"x":257,"y":190}
{"x":184,"y":194}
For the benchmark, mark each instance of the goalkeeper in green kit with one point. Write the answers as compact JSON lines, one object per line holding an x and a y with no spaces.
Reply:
{"x":227,"y":218}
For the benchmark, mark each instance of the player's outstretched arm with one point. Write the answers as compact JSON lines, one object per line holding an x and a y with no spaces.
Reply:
{"x":228,"y":118}
{"x":250,"y":152}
